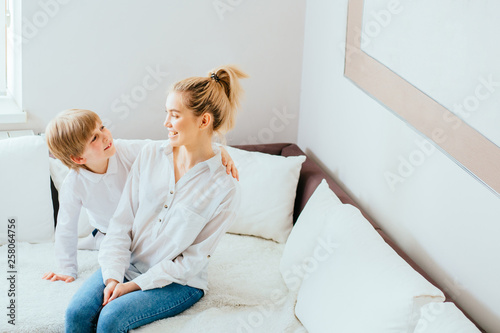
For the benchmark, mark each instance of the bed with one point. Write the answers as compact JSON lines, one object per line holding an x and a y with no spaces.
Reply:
{"x":246,"y":288}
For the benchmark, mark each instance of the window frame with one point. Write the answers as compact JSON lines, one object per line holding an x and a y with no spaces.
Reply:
{"x":3,"y":49}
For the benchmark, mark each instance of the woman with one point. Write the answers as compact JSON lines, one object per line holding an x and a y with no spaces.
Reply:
{"x":177,"y":204}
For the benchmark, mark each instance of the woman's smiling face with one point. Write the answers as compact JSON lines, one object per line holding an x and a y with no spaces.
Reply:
{"x":183,"y":126}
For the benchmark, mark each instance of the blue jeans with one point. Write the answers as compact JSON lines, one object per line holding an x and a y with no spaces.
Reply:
{"x":85,"y":312}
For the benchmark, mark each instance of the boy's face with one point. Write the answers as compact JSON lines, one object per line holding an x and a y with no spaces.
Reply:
{"x":98,"y":149}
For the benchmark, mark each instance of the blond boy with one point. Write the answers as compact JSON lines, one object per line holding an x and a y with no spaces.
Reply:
{"x":99,"y":167}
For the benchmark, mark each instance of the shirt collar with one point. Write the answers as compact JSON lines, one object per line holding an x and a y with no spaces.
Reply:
{"x":213,"y":163}
{"x":96,"y":177}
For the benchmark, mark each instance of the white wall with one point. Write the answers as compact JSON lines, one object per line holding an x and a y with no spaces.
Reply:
{"x":443,"y":218}
{"x":443,"y":49}
{"x":93,"y":54}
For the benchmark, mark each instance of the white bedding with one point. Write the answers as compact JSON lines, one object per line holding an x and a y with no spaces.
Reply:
{"x":247,"y":292}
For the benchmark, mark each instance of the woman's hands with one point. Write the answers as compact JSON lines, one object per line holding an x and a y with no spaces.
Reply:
{"x":114,"y":289}
{"x":228,"y":162}
{"x":58,"y":277}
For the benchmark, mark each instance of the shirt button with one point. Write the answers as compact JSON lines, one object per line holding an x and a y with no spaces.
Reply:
{"x":165,"y":206}
{"x":208,"y":256}
{"x":171,"y":192}
{"x":159,"y":220}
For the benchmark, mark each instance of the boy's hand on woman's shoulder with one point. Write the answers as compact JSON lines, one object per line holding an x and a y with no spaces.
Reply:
{"x":51,"y":276}
{"x":228,"y":162}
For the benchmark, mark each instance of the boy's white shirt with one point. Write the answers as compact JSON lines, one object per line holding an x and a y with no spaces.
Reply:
{"x":163,"y":231}
{"x":98,"y":193}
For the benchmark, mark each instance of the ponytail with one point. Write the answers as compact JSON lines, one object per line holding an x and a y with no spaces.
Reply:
{"x":219,"y":94}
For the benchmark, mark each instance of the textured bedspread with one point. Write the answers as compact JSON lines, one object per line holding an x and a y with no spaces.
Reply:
{"x":247,"y":293}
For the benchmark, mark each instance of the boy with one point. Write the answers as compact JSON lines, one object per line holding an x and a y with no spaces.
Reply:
{"x":99,"y":167}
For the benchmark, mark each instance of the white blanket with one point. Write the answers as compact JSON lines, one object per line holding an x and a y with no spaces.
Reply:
{"x":247,"y":293}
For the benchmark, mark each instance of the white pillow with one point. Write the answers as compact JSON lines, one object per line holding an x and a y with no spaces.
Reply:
{"x":444,"y":318}
{"x":364,"y":285}
{"x":25,"y":189}
{"x":58,"y":172}
{"x":305,"y":245}
{"x":268,"y":188}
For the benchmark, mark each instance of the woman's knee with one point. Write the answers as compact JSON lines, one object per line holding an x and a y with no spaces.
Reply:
{"x":76,"y":315}
{"x":85,"y":305}
{"x":111,"y":320}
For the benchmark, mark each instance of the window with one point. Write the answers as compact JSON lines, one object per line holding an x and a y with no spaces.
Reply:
{"x":3,"y":47}
{"x":10,"y":64}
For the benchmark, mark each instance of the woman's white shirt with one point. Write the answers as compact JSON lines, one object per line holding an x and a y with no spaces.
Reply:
{"x":98,"y":193}
{"x":164,"y":232}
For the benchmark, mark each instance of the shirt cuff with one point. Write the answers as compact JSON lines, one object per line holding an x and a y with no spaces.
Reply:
{"x":144,"y":282}
{"x":111,"y":274}
{"x":72,"y":274}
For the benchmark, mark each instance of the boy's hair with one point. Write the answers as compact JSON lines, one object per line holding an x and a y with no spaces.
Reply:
{"x":68,"y":133}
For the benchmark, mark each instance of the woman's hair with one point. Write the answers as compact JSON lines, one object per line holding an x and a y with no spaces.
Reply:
{"x":218,"y":94}
{"x":68,"y":133}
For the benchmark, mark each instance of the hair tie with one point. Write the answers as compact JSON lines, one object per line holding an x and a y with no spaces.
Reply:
{"x":215,"y":77}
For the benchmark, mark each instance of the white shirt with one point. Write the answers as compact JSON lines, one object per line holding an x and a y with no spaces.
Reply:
{"x":163,"y":231}
{"x":98,"y":193}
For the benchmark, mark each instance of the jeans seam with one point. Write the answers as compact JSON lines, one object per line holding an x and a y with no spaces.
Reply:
{"x":161,"y":311}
